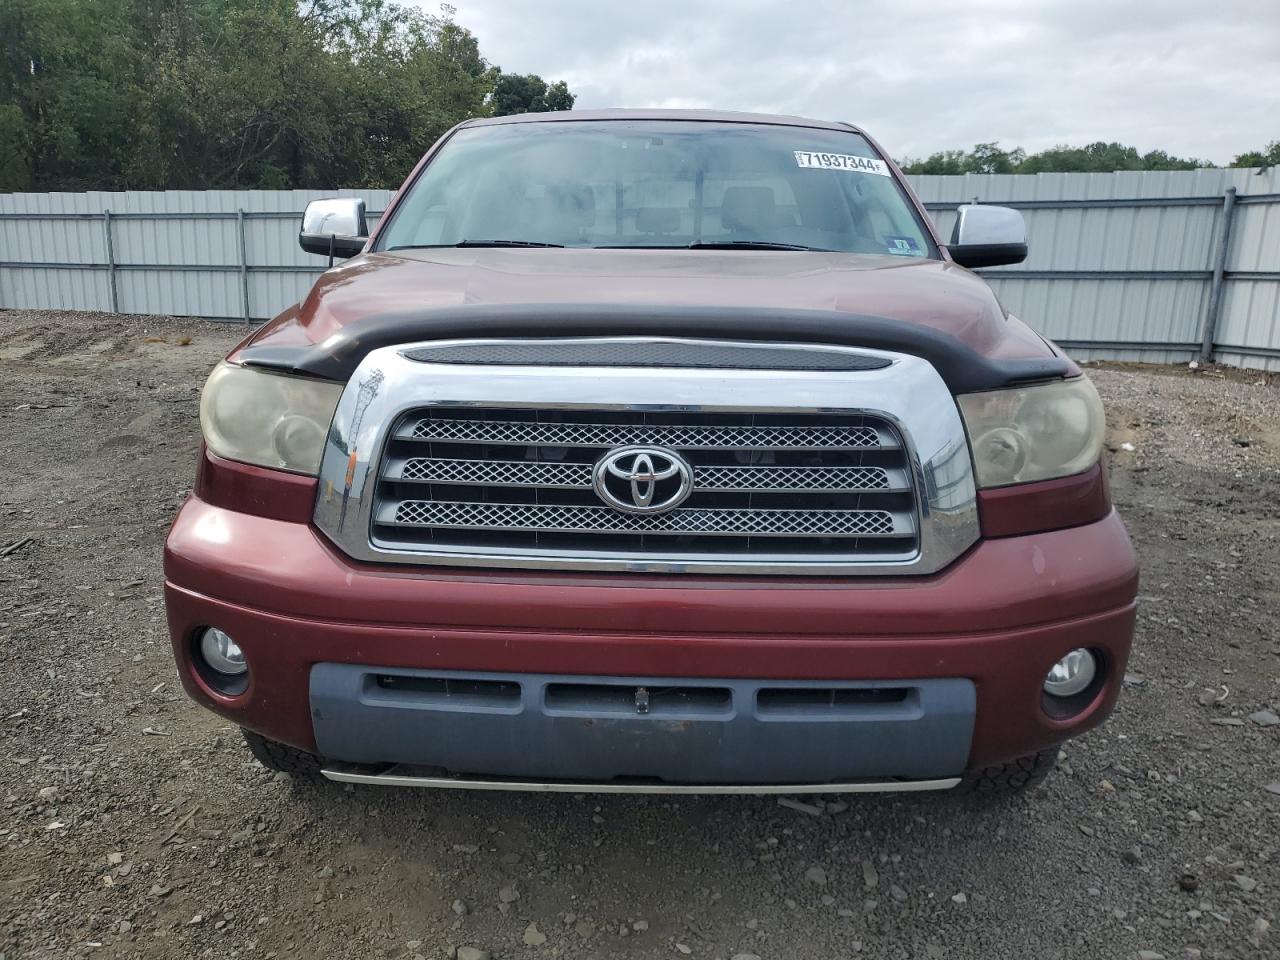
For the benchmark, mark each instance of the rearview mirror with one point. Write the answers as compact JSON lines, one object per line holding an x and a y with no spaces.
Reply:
{"x":987,"y":236}
{"x":334,"y":228}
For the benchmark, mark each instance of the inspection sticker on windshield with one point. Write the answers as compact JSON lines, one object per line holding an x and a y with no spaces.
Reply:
{"x":841,"y":161}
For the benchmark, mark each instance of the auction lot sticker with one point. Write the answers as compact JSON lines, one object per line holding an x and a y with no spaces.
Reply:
{"x":841,"y":161}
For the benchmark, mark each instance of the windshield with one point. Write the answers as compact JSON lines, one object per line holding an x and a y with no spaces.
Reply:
{"x":658,"y":184}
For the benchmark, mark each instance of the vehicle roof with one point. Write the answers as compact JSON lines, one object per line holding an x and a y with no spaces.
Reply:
{"x":665,"y":113}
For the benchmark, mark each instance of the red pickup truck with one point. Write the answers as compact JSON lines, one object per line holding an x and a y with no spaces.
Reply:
{"x":657,"y":451}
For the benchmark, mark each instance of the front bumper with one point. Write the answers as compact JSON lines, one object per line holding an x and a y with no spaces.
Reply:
{"x":995,"y":621}
{"x":674,"y":730}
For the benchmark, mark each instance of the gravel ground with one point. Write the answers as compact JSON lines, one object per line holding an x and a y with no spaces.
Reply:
{"x":135,"y":825}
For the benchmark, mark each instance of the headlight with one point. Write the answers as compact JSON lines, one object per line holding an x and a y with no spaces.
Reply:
{"x":1034,"y":433}
{"x":268,"y":419}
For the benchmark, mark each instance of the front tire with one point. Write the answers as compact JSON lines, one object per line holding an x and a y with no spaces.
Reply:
{"x":283,"y":758}
{"x":1012,"y":778}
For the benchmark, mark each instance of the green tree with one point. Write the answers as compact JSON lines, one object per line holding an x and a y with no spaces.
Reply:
{"x":558,"y":97}
{"x":528,"y":93}
{"x":1092,"y":158}
{"x":15,"y":148}
{"x":1159,"y":160}
{"x":989,"y":158}
{"x":1268,"y":157}
{"x":67,"y":91}
{"x":154,"y":94}
{"x":1099,"y":157}
{"x":948,"y":163}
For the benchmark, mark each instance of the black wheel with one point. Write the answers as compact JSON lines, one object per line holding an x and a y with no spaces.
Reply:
{"x":283,"y":758}
{"x":1016,"y":776}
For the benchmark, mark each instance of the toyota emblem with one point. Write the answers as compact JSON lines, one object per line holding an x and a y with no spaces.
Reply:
{"x":643,"y":479}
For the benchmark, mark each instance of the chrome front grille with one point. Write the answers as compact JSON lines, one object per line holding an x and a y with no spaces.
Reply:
{"x":765,"y":486}
{"x":485,"y":460}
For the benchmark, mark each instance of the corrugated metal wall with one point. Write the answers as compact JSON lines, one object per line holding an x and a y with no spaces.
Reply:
{"x":1121,"y":264}
{"x":176,"y":252}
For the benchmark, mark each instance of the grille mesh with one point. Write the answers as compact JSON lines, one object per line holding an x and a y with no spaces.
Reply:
{"x":500,"y":472}
{"x":567,"y":519}
{"x":667,"y":435}
{"x":578,"y":475}
{"x":792,"y":478}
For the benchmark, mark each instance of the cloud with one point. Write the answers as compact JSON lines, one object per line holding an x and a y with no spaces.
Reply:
{"x":1193,"y":78}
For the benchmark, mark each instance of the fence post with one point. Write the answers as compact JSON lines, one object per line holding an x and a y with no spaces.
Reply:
{"x":111,"y":262}
{"x":244,"y":265}
{"x":1214,"y":311}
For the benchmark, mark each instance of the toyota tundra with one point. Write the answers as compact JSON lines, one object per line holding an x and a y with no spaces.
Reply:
{"x":653,"y":451}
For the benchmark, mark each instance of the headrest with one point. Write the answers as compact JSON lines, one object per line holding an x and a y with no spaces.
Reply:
{"x":572,"y":203}
{"x":749,"y":209}
{"x":657,"y":220}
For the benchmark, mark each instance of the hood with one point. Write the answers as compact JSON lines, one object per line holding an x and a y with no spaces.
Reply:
{"x":929,"y":293}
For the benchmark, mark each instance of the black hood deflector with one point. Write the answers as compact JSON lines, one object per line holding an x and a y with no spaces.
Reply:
{"x":964,"y":369}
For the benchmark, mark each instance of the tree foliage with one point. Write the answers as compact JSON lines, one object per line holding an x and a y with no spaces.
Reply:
{"x":155,"y":94}
{"x":1097,"y":157}
{"x":529,"y":93}
{"x":1268,"y":157}
{"x":1093,"y":158}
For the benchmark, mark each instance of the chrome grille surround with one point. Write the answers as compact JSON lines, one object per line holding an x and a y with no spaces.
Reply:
{"x":904,"y":406}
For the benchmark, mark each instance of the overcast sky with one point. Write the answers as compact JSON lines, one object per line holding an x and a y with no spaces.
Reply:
{"x":1192,"y":77}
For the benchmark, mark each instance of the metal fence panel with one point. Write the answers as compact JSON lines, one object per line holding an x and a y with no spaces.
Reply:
{"x":1121,"y":264}
{"x":1251,"y":304}
{"x":45,"y":289}
{"x":1110,"y":311}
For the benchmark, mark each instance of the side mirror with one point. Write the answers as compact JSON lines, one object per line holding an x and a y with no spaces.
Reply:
{"x":986,"y":236}
{"x":334,"y":228}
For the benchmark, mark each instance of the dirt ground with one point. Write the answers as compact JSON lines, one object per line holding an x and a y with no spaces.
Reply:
{"x":135,"y":825}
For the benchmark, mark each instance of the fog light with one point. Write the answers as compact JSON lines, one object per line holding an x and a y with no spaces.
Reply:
{"x":1072,"y":674}
{"x":221,"y":653}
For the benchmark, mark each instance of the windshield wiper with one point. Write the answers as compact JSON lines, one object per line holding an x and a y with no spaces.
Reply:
{"x":475,"y":243}
{"x":748,"y":245}
{"x":505,"y":243}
